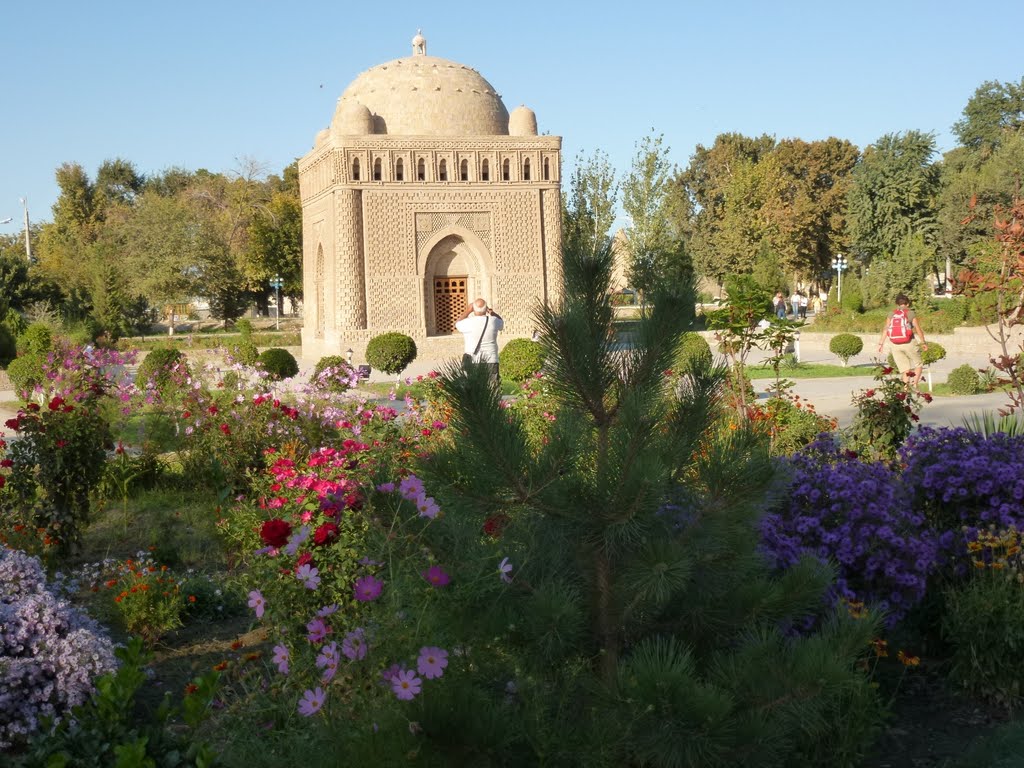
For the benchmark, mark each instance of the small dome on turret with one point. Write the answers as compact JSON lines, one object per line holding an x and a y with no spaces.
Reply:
{"x":522,"y":122}
{"x":322,"y":137}
{"x":352,"y":119}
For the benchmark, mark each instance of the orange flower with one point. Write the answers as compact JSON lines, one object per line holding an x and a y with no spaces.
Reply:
{"x":191,"y":598}
{"x":908,"y":661}
{"x":191,"y":688}
{"x":220,"y":667}
{"x":236,"y":645}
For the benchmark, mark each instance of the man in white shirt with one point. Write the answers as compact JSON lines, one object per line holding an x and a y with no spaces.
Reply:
{"x":479,"y":328}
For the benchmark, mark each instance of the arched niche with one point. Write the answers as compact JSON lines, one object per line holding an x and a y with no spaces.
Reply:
{"x":455,"y":268}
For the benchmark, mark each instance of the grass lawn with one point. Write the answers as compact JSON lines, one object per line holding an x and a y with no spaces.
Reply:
{"x":810,"y":371}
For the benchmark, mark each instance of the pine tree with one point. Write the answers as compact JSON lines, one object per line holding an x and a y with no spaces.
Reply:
{"x":641,"y":625}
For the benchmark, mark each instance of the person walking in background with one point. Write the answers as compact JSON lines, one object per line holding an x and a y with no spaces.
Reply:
{"x":779,"y":305}
{"x":479,"y":328}
{"x":794,"y":302}
{"x":803,"y":305}
{"x":905,"y":340}
{"x":816,"y":305}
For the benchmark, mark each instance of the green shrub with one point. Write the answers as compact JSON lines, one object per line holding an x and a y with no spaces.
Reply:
{"x":158,"y":366}
{"x":983,"y":622}
{"x":245,"y":351}
{"x":26,"y":372}
{"x":244,"y":327}
{"x":692,"y":353}
{"x":853,"y":298}
{"x":8,"y":346}
{"x":845,"y":345}
{"x":391,"y":352}
{"x":278,"y":363}
{"x":964,"y":380}
{"x":520,"y":359}
{"x":332,"y":373}
{"x":37,"y":339}
{"x":933,"y":354}
{"x":15,"y":322}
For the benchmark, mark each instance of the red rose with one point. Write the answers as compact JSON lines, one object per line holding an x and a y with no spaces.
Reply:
{"x":33,"y":407}
{"x":275,"y":532}
{"x":869,"y":393}
{"x":56,"y":403}
{"x":494,"y":525}
{"x":304,"y":559}
{"x":225,"y":429}
{"x":3,"y":480}
{"x":927,"y":397}
{"x":186,"y":414}
{"x":212,"y":410}
{"x":13,"y":424}
{"x":6,"y":463}
{"x":325,"y":534}
{"x":901,"y":395}
{"x":887,"y":370}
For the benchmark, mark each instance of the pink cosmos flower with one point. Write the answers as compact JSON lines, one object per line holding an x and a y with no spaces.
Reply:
{"x":386,"y":487}
{"x":427,"y":507}
{"x":311,"y":702}
{"x":432,"y":662}
{"x":354,"y":645}
{"x":436,"y":576}
{"x":281,"y":656}
{"x":406,"y":685}
{"x":387,"y":676}
{"x":327,"y":610}
{"x":368,"y":588}
{"x":504,"y":569}
{"x":317,"y":630}
{"x":328,"y":660}
{"x":257,"y":603}
{"x":411,"y":488}
{"x":308,"y":575}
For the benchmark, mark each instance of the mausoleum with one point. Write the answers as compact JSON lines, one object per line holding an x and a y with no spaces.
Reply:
{"x":423,"y":194}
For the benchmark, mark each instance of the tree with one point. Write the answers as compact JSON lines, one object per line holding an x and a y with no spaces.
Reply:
{"x":275,"y":244}
{"x":589,"y":210}
{"x":893,"y":194}
{"x":993,"y":114}
{"x":653,"y":203}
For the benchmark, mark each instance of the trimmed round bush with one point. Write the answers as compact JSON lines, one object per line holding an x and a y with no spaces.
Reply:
{"x":964,"y":380}
{"x":692,"y":352}
{"x":278,"y":363}
{"x":245,"y":351}
{"x":520,"y":359}
{"x":933,"y":354}
{"x":244,"y":327}
{"x":37,"y":339}
{"x":8,"y":346}
{"x":845,"y":345}
{"x":391,"y":352}
{"x":26,"y":372}
{"x":332,"y":373}
{"x":156,"y":367}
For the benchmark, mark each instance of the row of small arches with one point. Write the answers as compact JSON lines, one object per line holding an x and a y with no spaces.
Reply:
{"x":442,"y":170}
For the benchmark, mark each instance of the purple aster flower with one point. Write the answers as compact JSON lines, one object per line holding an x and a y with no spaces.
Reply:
{"x":386,"y":487}
{"x":368,"y":588}
{"x":432,"y":662}
{"x":436,"y":576}
{"x":308,"y":575}
{"x":257,"y":603}
{"x":504,"y":569}
{"x":354,"y":645}
{"x":406,"y":685}
{"x":317,"y":630}
{"x":311,"y":702}
{"x":327,"y":610}
{"x":388,"y":675}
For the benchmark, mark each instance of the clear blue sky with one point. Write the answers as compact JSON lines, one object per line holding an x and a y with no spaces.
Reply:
{"x":207,"y":84}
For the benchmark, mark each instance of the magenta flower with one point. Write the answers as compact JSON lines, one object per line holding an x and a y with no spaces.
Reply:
{"x":281,"y":656}
{"x":406,"y":685}
{"x":386,"y":487}
{"x":411,"y":488}
{"x":427,"y":506}
{"x":257,"y":603}
{"x":436,"y":576}
{"x":368,"y":588}
{"x":387,"y":676}
{"x":308,"y":575}
{"x":504,"y":569}
{"x":354,"y":645}
{"x":318,"y":630}
{"x":311,"y":702}
{"x":432,"y":662}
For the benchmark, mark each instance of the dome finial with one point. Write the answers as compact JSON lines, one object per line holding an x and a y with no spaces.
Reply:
{"x":419,"y":44}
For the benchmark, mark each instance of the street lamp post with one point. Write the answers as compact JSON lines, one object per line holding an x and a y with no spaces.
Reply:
{"x":28,"y":242}
{"x":839,"y":264}
{"x":276,"y":284}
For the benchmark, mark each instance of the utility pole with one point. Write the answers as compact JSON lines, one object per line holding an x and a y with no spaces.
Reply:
{"x":28,"y":243}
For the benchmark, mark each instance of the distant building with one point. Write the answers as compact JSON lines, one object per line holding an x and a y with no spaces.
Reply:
{"x":423,"y":194}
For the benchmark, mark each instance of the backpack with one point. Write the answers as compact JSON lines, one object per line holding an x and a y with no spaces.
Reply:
{"x":900,"y":329}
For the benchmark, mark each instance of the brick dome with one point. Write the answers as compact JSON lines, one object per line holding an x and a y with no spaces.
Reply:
{"x":424,"y":95}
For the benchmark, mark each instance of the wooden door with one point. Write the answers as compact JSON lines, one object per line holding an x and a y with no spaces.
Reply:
{"x":450,"y":302}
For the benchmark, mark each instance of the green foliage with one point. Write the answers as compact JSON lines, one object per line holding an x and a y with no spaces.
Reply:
{"x":964,"y":380}
{"x":853,"y":298}
{"x":792,"y":424}
{"x":333,"y":373}
{"x":983,"y":622}
{"x":886,"y":414}
{"x":692,"y":353}
{"x":37,"y":339}
{"x":104,"y":731}
{"x":245,"y":351}
{"x":8,"y":346}
{"x":26,"y":372}
{"x":278,"y":363}
{"x":14,"y":322}
{"x":391,"y":352}
{"x":520,"y":359}
{"x":988,"y":424}
{"x":589,"y":205}
{"x":244,"y":327}
{"x":933,"y":354}
{"x":158,"y":367}
{"x":739,"y":331}
{"x":149,"y":604}
{"x":845,"y":345}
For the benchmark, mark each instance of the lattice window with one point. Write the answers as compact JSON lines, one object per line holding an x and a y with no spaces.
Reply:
{"x":450,"y":302}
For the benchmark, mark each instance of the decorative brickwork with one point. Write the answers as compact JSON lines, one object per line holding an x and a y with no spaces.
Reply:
{"x":351,"y":298}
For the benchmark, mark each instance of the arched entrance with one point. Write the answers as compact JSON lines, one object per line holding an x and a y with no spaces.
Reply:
{"x":454,"y":275}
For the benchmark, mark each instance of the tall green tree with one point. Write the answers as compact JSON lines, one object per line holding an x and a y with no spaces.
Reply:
{"x":993,"y":114}
{"x":589,"y":209}
{"x":893,"y":195}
